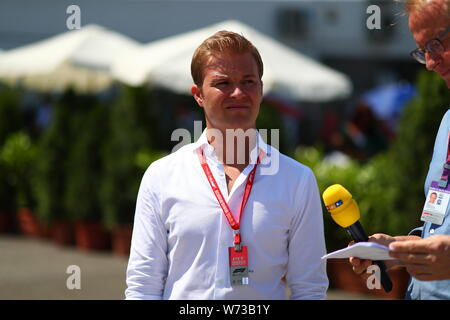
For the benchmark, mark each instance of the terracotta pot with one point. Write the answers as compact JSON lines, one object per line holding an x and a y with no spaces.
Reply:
{"x":91,"y":236}
{"x":30,"y":225}
{"x":63,"y":233}
{"x":121,"y":239}
{"x":341,"y":276}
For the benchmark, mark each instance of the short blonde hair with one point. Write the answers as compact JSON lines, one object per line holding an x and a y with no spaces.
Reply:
{"x":417,"y":5}
{"x":222,"y":42}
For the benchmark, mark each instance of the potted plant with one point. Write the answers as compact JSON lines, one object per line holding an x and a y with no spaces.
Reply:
{"x":128,"y":143}
{"x":19,"y":155}
{"x":51,"y":176}
{"x":84,"y":168}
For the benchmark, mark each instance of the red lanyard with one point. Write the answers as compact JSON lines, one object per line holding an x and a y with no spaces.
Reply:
{"x":443,"y":182}
{"x":235,"y":225}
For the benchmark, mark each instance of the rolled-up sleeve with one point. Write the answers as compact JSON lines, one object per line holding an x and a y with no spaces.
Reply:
{"x":148,"y":264}
{"x":306,"y":274}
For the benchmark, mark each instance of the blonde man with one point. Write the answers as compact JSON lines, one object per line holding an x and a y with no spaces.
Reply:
{"x":209,"y":223}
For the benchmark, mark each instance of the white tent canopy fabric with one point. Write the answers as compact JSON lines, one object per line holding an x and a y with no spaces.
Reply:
{"x":79,"y":58}
{"x":167,"y":63}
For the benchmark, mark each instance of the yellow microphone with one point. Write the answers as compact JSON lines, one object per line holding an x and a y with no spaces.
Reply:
{"x":345,"y":212}
{"x":340,"y":204}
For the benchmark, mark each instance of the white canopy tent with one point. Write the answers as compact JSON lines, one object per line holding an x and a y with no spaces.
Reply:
{"x":167,"y":63}
{"x":79,"y":58}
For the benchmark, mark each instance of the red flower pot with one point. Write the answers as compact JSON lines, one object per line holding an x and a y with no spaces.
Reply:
{"x":91,"y":236}
{"x":30,"y":225}
{"x":121,"y":239}
{"x":63,"y":233}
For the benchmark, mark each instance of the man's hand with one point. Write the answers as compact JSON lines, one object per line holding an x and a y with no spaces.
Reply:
{"x":360,"y":265}
{"x":425,"y":259}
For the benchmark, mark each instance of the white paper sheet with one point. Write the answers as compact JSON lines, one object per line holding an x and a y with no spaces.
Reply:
{"x":363,"y":250}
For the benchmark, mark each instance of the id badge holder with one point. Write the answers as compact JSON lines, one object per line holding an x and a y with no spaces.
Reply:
{"x":436,"y":203}
{"x":238,"y":266}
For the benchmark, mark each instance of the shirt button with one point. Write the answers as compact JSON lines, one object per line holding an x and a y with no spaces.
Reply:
{"x":431,"y":231}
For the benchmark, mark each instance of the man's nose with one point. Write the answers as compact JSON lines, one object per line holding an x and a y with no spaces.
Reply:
{"x":237,"y":91}
{"x":432,"y":60}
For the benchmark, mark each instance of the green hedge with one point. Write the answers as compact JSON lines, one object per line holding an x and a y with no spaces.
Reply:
{"x":388,"y":187}
{"x":368,"y":183}
{"x":87,"y":165}
{"x":127,"y":153}
{"x":10,"y":122}
{"x":54,"y":145}
{"x":84,"y":170}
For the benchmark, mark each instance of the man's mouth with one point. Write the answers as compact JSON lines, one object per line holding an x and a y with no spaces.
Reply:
{"x":236,"y":107}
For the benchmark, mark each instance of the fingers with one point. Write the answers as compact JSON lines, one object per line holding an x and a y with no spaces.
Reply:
{"x":359,"y":266}
{"x":424,"y":273}
{"x":438,"y":243}
{"x":414,"y":246}
{"x":421,"y":266}
{"x":381,"y":238}
{"x":413,"y":258}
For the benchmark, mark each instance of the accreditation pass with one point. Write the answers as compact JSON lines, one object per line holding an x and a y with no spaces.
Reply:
{"x":436,"y":204}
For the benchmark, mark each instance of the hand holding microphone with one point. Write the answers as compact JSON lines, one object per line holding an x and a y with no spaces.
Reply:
{"x":345,"y":212}
{"x":360,"y":265}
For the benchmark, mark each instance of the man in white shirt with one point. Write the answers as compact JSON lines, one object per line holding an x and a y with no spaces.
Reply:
{"x":212,"y":220}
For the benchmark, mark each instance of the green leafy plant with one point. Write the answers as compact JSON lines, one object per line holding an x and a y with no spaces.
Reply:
{"x":125,"y":155}
{"x":10,"y":122}
{"x":7,"y":190}
{"x":10,"y":113}
{"x":51,"y":178}
{"x":410,"y":155}
{"x":18,"y":156}
{"x":84,"y":161}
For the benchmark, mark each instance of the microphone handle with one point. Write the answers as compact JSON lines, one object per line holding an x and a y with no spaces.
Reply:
{"x":384,"y":277}
{"x":358,"y":234}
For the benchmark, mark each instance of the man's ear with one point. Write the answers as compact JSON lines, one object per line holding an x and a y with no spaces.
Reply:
{"x":197,"y":94}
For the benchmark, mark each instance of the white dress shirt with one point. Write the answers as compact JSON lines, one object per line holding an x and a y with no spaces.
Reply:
{"x":181,"y":236}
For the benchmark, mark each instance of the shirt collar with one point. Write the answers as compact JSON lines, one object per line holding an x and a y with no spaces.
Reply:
{"x":261,"y":146}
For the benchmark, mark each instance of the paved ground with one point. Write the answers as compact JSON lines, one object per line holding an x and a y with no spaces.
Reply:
{"x":36,"y":269}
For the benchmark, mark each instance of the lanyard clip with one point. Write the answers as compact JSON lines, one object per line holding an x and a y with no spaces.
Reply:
{"x":237,"y":240}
